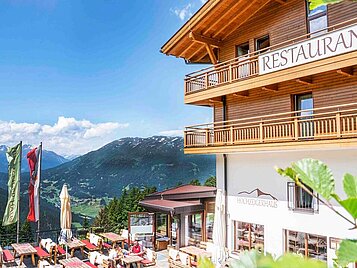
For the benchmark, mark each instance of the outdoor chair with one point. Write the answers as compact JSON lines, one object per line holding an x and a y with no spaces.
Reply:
{"x":97,"y":258}
{"x":93,"y":242}
{"x":42,"y":254}
{"x":59,"y":253}
{"x":49,"y":246}
{"x":149,"y":258}
{"x":6,"y":256}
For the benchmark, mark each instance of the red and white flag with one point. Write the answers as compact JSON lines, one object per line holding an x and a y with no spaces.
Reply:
{"x":34,"y":160}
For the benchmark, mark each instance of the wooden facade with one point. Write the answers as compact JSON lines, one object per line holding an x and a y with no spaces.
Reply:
{"x":236,"y":88}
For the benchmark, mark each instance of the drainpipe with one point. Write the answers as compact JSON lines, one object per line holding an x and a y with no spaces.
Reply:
{"x":224,"y":102}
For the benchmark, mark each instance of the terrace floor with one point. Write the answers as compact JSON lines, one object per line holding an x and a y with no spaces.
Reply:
{"x":162,"y":261}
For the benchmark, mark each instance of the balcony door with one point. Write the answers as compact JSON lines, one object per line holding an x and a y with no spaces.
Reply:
{"x":242,"y":52}
{"x":304,"y":103}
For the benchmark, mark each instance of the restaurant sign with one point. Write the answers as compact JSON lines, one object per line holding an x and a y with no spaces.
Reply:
{"x":327,"y":45}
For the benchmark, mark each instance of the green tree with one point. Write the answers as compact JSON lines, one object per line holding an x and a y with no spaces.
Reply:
{"x":85,"y":223}
{"x":195,"y":182}
{"x":211,"y":181}
{"x":316,"y":3}
{"x":114,"y":216}
{"x":26,"y":233}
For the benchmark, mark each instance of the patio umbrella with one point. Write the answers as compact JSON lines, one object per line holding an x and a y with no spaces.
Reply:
{"x":219,"y":230}
{"x":66,"y":217}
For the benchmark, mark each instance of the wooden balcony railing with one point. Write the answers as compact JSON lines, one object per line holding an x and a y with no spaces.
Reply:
{"x":328,"y":123}
{"x":245,"y":66}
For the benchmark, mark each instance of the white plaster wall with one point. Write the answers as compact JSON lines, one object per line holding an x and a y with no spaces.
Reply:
{"x":247,"y":171}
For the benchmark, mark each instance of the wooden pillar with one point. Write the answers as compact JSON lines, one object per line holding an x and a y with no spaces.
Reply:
{"x":169,"y":228}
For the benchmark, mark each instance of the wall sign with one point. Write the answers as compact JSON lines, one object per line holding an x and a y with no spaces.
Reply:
{"x":327,"y":45}
{"x":271,"y":202}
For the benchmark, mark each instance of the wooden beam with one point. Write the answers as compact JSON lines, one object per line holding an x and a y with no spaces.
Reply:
{"x":195,"y":52}
{"x":244,"y":94}
{"x":240,"y":19}
{"x":273,"y":88}
{"x":305,"y":80}
{"x":211,"y":54}
{"x":227,"y":10}
{"x":283,"y":2}
{"x":348,"y":71}
{"x":214,"y":101}
{"x":204,"y":39}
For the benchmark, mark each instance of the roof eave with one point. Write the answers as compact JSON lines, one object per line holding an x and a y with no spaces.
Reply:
{"x":188,"y":26}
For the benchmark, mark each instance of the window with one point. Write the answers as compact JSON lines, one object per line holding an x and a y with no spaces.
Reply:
{"x":194,"y":229}
{"x":309,"y":245}
{"x":210,"y":207}
{"x":304,"y":103}
{"x":161,"y":225}
{"x":248,"y":236}
{"x":262,"y":43}
{"x":300,"y":200}
{"x":316,"y":19}
{"x":242,"y":49}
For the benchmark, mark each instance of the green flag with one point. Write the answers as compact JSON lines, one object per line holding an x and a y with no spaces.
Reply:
{"x":13,"y":156}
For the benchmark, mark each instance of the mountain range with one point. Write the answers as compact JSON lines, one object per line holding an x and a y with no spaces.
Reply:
{"x":49,"y":158}
{"x":98,"y":176}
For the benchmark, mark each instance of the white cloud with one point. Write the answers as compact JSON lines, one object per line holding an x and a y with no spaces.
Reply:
{"x":174,"y":132}
{"x":67,"y":136}
{"x":188,"y":10}
{"x":184,"y":12}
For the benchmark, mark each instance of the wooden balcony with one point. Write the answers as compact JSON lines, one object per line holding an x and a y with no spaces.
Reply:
{"x":334,"y":125}
{"x":233,"y":75}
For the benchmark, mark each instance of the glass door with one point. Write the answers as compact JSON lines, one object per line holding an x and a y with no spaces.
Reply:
{"x":304,"y":104}
{"x":242,"y":52}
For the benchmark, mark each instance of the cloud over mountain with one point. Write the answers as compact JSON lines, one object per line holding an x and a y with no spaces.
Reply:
{"x":67,"y":136}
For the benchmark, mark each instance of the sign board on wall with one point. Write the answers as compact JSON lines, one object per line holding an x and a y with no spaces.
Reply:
{"x":327,"y":45}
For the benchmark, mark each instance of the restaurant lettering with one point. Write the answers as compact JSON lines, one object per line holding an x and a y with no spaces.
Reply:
{"x":317,"y":48}
{"x":257,"y":202}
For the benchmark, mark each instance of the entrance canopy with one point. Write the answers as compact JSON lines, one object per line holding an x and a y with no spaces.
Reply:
{"x":172,"y":207}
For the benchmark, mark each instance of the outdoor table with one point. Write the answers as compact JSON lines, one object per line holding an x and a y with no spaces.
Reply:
{"x":196,"y":252}
{"x":114,"y":238}
{"x":73,"y":262}
{"x":74,"y":245}
{"x":129,"y":259}
{"x":24,"y":250}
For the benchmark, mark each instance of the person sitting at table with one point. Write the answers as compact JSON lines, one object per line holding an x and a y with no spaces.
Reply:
{"x":115,"y":254}
{"x":136,"y":249}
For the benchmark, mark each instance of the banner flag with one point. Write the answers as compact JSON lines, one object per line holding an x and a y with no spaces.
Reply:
{"x":34,"y":161}
{"x":13,"y":155}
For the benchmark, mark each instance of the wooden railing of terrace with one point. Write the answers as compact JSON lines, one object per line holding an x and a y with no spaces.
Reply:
{"x":246,"y":66}
{"x":328,"y":123}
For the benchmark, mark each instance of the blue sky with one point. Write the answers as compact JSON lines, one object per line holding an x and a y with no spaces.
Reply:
{"x":78,"y":74}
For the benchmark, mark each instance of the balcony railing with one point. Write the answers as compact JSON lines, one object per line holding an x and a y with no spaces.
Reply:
{"x":328,"y":123}
{"x":246,"y":66}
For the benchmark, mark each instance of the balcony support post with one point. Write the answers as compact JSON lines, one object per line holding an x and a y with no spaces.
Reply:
{"x":296,"y":128}
{"x":206,"y":80}
{"x":207,"y":136}
{"x":231,"y":135}
{"x":261,"y":133}
{"x":230,"y":75}
{"x":338,"y":124}
{"x":184,"y":139}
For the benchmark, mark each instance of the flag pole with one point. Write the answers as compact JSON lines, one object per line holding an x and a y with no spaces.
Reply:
{"x":18,"y":201}
{"x":39,"y":192}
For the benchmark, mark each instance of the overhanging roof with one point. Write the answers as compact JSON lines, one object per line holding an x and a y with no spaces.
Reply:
{"x":213,"y":23}
{"x":172,"y":207}
{"x":185,"y":192}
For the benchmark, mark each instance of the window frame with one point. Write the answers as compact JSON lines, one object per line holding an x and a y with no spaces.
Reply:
{"x":292,"y":189}
{"x":313,"y":17}
{"x":256,"y":43}
{"x":236,"y":48}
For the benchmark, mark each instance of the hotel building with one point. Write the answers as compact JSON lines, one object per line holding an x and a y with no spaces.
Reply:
{"x":282,"y":86}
